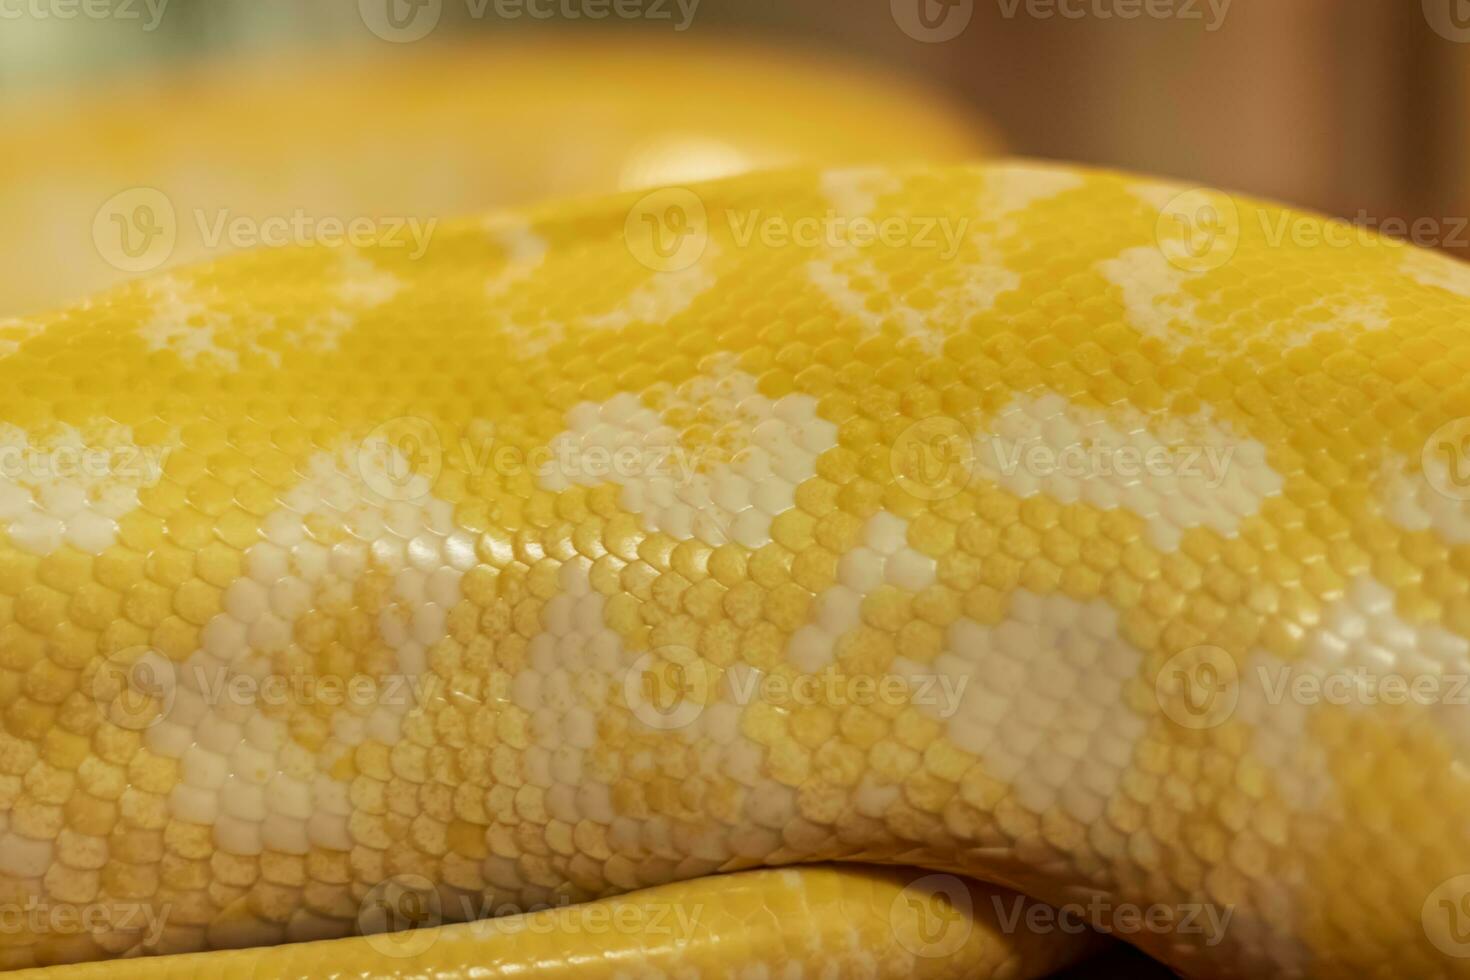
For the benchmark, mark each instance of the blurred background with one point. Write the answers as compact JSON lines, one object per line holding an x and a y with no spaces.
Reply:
{"x":1355,"y":108}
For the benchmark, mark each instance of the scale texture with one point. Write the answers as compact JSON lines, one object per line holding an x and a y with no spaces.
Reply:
{"x":962,"y":519}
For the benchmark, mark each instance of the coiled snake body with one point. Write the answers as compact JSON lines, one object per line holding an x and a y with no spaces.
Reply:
{"x":989,"y":521}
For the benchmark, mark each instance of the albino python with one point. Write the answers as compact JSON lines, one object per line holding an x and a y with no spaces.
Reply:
{"x":1036,"y":525}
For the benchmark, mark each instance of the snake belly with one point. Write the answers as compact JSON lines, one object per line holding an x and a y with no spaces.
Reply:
{"x":988,"y":521}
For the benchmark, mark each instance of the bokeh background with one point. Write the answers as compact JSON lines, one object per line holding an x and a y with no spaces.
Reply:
{"x":1341,"y":105}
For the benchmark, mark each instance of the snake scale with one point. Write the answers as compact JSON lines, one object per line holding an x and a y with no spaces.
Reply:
{"x":990,"y":522}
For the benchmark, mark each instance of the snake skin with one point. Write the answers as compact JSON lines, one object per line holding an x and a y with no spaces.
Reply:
{"x":995,"y":521}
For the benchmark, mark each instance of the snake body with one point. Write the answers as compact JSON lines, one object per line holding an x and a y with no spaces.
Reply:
{"x":983,"y":521}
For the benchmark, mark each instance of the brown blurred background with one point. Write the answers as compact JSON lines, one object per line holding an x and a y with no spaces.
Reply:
{"x":1349,"y":106}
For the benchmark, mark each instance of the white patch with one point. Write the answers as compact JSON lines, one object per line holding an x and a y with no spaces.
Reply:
{"x":1430,"y":268}
{"x":181,"y":323}
{"x":364,"y":285}
{"x":884,"y":558}
{"x":856,"y":190}
{"x":1155,"y":195}
{"x":1174,"y":473}
{"x":525,"y":251}
{"x":1411,"y":501}
{"x":1342,"y":666}
{"x":576,"y":669}
{"x":768,"y":448}
{"x":241,"y":771}
{"x":73,"y":488}
{"x":14,"y":332}
{"x":1011,"y":188}
{"x":556,"y":689}
{"x":1042,"y":702}
{"x":662,"y":297}
{"x":1154,"y":293}
{"x":1343,"y":315}
{"x":1008,"y":191}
